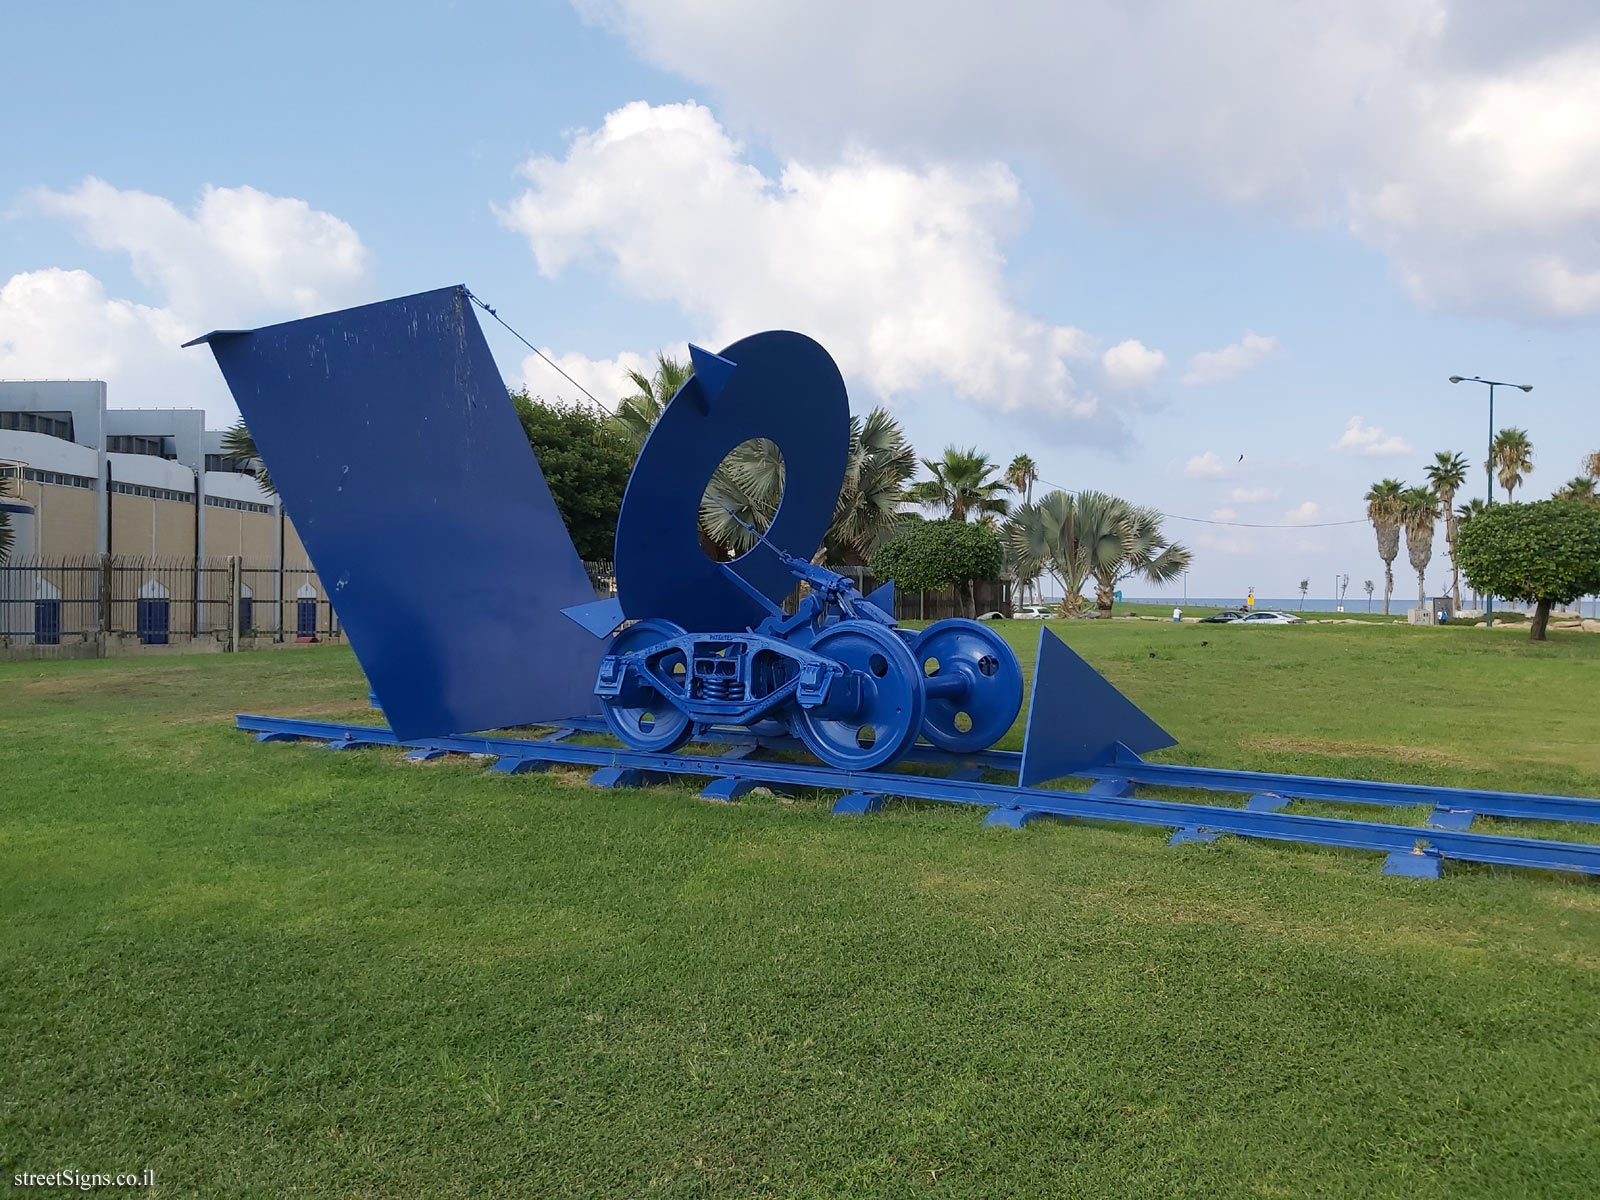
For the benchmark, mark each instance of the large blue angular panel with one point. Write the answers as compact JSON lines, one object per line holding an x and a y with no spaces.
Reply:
{"x":1076,"y":718}
{"x":398,"y":456}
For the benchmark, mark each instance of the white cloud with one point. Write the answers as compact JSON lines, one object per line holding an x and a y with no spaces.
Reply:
{"x":1132,"y":364}
{"x":1204,"y":466}
{"x":1217,"y":366}
{"x":1371,"y":441}
{"x":1224,"y":514}
{"x":1302,"y":514}
{"x":1253,"y":495}
{"x":1458,"y":136}
{"x":606,"y":379}
{"x":241,"y":257}
{"x":898,"y":271}
{"x":1232,"y":541}
{"x":239,"y":252}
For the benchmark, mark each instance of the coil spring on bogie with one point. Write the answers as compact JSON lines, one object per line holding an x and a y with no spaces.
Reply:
{"x":721,"y":687}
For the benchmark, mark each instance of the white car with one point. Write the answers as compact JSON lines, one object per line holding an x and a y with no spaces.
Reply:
{"x":1268,"y":617}
{"x":1033,"y":612}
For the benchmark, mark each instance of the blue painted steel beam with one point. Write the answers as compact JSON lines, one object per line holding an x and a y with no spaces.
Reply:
{"x":622,"y":767}
{"x":1355,"y":791}
{"x":1133,"y":770}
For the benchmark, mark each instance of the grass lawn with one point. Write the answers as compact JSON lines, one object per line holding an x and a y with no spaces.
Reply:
{"x":278,"y":970}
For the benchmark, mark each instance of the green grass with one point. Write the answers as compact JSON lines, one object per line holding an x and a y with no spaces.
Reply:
{"x":268,"y":970}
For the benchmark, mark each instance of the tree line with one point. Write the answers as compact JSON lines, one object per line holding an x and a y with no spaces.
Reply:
{"x":1481,"y":540}
{"x":984,"y":518}
{"x":981,"y":519}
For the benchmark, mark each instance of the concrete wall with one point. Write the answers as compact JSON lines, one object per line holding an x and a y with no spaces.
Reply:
{"x":146,"y":528}
{"x":185,"y":426}
{"x":46,"y":453}
{"x":67,"y":520}
{"x":150,"y":471}
{"x":251,"y":536}
{"x":85,"y":399}
{"x":295,"y":557}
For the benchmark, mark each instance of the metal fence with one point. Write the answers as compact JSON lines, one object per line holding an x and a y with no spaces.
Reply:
{"x":50,"y":601}
{"x":111,"y":604}
{"x":990,"y":595}
{"x":162,"y":600}
{"x":106,"y":604}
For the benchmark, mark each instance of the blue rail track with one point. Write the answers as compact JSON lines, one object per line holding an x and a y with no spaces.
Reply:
{"x":1411,"y":850}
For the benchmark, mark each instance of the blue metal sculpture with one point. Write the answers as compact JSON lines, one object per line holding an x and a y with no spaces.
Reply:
{"x":711,"y":643}
{"x":387,"y":427}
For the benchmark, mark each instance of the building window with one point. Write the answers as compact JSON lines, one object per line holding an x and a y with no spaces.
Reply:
{"x":152,"y":493}
{"x":51,"y":424}
{"x":238,"y":505}
{"x":221,"y":462}
{"x":130,"y":443}
{"x":57,"y":478}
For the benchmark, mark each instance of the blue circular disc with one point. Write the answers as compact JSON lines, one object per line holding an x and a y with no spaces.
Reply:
{"x":979,"y":714}
{"x":783,"y":386}
{"x":647,"y":720}
{"x":893,"y":703}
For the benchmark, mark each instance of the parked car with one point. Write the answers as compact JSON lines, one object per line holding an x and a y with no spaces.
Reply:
{"x":1269,"y":617}
{"x":1226,"y":617}
{"x":1033,"y":612}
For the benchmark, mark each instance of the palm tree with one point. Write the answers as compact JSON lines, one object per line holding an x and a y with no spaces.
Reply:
{"x":1305,"y":586}
{"x":1046,"y":536}
{"x":239,"y":444}
{"x":961,"y":485}
{"x":637,"y":414}
{"x":1022,"y":474}
{"x":1383,"y":510}
{"x":1368,"y":586}
{"x":1419,"y":509}
{"x":880,"y":462}
{"x":1146,"y":552}
{"x":744,"y":490}
{"x":1511,"y":457}
{"x":1591,"y":465}
{"x":1093,"y":536}
{"x":750,"y":484}
{"x":1579,"y":487}
{"x":1446,"y":475}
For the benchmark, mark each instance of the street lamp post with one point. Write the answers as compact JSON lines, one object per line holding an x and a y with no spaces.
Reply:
{"x":1488,"y":462}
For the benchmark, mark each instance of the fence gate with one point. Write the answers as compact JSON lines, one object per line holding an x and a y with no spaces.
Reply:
{"x":153,"y":619}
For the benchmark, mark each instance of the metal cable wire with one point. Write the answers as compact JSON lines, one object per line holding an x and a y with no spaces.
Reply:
{"x":486,"y":308}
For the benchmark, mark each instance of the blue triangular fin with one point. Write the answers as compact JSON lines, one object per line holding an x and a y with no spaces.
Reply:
{"x":712,"y":370}
{"x":882,"y":598}
{"x":1077,"y":719}
{"x":600,"y":618}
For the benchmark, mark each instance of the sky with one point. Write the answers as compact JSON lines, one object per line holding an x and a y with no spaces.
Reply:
{"x":1214,"y":256}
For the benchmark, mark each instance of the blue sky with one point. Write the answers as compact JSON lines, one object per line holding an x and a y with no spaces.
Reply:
{"x":1016,"y":229}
